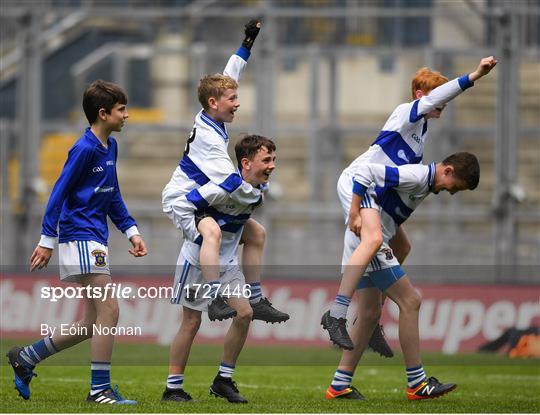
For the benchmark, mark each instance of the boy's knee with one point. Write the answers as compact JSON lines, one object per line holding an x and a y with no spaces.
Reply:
{"x":413,"y":301}
{"x":192,"y":324}
{"x":373,"y":241}
{"x":371,"y":315}
{"x":210,"y":230}
{"x":244,"y":313}
{"x":110,"y":312}
{"x":255,"y":234}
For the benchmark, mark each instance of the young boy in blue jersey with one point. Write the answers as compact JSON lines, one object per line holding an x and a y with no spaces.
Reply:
{"x":399,"y":190}
{"x":205,"y":160}
{"x":401,"y":141}
{"x":256,"y":157}
{"x":86,"y":192}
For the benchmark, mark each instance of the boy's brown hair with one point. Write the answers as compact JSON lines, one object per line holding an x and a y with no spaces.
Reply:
{"x":214,"y":86}
{"x":101,"y":94}
{"x":466,"y":168}
{"x":249,"y":145}
{"x":426,"y":80}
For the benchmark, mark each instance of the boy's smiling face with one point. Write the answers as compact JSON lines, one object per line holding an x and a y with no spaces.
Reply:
{"x":225,"y":106}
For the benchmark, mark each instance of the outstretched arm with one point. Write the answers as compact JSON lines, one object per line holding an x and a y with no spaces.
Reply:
{"x":237,"y":62}
{"x":448,"y":91}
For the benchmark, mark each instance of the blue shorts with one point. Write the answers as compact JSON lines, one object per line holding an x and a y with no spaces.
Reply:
{"x":381,"y":279}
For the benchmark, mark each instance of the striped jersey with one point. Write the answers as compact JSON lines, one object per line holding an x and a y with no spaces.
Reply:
{"x":229,"y":214}
{"x":86,"y":192}
{"x":399,"y":190}
{"x":403,"y":136}
{"x":206,"y":158}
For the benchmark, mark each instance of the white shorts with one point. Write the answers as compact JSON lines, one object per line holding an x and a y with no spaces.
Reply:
{"x":384,"y":259}
{"x":77,"y":259}
{"x":191,"y":290}
{"x":344,"y":189}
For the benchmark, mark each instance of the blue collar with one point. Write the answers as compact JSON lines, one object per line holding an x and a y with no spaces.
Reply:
{"x":92,"y":137}
{"x":218,"y":127}
{"x":431,"y":176}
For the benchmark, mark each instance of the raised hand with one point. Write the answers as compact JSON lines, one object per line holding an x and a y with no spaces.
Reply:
{"x":484,"y":67}
{"x":251,"y":30}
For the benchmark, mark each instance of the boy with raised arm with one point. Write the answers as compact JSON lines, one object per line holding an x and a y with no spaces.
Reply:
{"x":206,"y":160}
{"x":400,"y":142}
{"x":256,"y":157}
{"x":399,"y":190}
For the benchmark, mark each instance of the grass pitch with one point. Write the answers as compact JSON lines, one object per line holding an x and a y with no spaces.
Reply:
{"x":276,"y":379}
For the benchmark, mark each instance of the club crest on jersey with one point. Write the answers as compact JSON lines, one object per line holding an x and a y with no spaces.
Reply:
{"x":100,"y":257}
{"x":388,"y":254}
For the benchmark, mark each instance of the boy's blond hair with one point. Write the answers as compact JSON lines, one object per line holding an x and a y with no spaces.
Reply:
{"x":426,"y":80}
{"x":214,"y":86}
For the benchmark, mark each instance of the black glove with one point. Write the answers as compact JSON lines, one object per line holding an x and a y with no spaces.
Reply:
{"x":251,"y":31}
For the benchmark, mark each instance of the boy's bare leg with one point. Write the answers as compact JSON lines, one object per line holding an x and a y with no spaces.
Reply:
{"x":107,"y":313}
{"x":182,"y":342}
{"x":334,"y":320}
{"x":367,"y":316}
{"x":179,"y":354}
{"x":370,"y":242}
{"x":223,"y":386}
{"x":408,"y":300}
{"x":237,"y":333}
{"x":209,"y":253}
{"x":253,"y":238}
{"x":84,"y":326}
{"x":401,"y":247}
{"x":209,"y":260}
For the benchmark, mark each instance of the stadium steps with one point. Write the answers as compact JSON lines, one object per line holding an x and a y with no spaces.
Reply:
{"x":479,"y":105}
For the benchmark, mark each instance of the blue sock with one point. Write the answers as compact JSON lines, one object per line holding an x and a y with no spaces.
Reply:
{"x":101,"y":377}
{"x":340,"y":306}
{"x":31,"y":355}
{"x":175,"y":381}
{"x":415,"y":376}
{"x":256,"y":292}
{"x":225,"y":370}
{"x":342,"y":380}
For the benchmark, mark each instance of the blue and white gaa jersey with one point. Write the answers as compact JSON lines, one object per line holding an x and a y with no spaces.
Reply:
{"x":86,"y":192}
{"x":399,"y":190}
{"x":403,"y":136}
{"x":227,"y":212}
{"x":206,"y":158}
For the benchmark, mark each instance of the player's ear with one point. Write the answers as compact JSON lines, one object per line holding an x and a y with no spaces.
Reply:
{"x":246,"y":163}
{"x":419,"y":93}
{"x":102,"y":114}
{"x":448,"y":170}
{"x":212,"y":103}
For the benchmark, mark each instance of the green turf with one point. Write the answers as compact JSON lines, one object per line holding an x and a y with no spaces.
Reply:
{"x":292,"y":380}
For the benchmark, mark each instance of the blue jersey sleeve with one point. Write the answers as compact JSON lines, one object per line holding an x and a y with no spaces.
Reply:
{"x":78,"y":158}
{"x":118,"y":211}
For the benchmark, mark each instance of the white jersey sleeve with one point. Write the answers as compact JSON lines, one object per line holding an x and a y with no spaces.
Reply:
{"x":438,"y":97}
{"x":237,"y":63}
